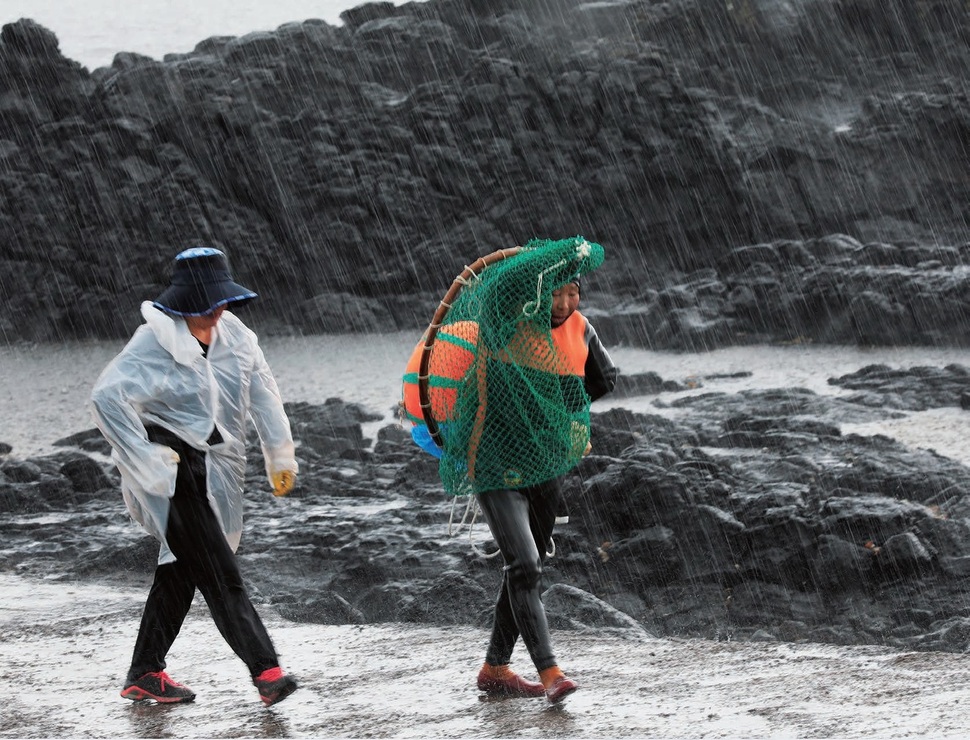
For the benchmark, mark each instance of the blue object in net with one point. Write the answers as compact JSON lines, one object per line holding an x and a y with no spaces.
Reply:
{"x":422,"y":438}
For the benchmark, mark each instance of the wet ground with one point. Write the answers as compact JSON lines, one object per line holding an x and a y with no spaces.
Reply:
{"x":66,"y":647}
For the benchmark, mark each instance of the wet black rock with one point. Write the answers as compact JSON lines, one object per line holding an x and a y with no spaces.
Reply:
{"x":318,"y":608}
{"x":451,"y":598}
{"x":351,"y":171}
{"x":568,"y":607}
{"x":90,"y":440}
{"x":820,"y":290}
{"x":748,"y":516}
{"x":332,"y":429}
{"x":640,"y":384}
{"x":20,"y":471}
{"x":86,"y":475}
{"x":911,"y":389}
{"x":132,"y":557}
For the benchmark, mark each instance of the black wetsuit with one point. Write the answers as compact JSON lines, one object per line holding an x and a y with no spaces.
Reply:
{"x":521,"y":521}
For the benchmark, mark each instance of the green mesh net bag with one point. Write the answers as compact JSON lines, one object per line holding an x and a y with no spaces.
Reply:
{"x":496,"y":395}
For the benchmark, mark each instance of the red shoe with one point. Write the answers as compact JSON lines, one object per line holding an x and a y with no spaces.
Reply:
{"x":274,"y":685}
{"x":510,"y":685}
{"x":158,"y":686}
{"x":560,"y":689}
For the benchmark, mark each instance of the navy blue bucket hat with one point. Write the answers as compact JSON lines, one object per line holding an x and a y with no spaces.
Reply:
{"x":201,"y":282}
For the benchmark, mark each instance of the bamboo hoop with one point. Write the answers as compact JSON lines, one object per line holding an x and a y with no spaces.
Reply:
{"x":444,"y":306}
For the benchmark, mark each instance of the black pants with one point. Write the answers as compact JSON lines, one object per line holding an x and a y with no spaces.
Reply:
{"x":204,"y":561}
{"x":521,"y":522}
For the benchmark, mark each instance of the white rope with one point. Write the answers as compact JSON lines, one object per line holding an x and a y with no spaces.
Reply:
{"x":529,"y":309}
{"x":583,"y":249}
{"x":453,"y":531}
{"x":473,"y":507}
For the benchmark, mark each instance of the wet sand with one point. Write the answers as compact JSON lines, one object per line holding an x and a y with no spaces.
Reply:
{"x":66,"y":647}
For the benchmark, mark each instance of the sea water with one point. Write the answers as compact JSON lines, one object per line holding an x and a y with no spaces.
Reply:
{"x":46,"y":387}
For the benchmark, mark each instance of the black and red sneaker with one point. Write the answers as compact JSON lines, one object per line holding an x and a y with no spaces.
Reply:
{"x":274,"y":685}
{"x":157,"y":686}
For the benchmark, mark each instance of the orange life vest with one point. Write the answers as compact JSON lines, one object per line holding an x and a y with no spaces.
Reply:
{"x":570,"y":340}
{"x":451,"y":357}
{"x":565,"y":355}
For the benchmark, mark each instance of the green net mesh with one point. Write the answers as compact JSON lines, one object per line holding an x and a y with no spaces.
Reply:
{"x":511,"y":412}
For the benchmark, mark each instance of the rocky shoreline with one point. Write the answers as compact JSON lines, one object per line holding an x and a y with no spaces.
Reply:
{"x":744,"y":194}
{"x":748,"y":516}
{"x":756,"y":169}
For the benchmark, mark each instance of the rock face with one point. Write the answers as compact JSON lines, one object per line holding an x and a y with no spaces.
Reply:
{"x":363,"y":165}
{"x":747,"y":516}
{"x":833,"y":289}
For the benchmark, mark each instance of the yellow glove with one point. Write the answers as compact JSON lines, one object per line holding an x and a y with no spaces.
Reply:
{"x":283,"y":482}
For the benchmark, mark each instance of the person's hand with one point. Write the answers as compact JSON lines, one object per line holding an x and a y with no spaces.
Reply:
{"x":162,"y":471}
{"x":579,"y":439}
{"x":283,"y":481}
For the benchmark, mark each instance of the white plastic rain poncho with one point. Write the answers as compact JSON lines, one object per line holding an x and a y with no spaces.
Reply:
{"x":162,"y":378}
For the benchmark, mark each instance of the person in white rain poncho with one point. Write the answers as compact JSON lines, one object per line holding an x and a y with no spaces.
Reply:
{"x":175,"y":405}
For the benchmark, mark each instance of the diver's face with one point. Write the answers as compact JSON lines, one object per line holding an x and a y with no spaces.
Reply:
{"x":205,"y":322}
{"x":565,"y":300}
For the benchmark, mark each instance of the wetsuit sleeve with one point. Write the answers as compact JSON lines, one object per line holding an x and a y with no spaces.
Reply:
{"x":600,"y":372}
